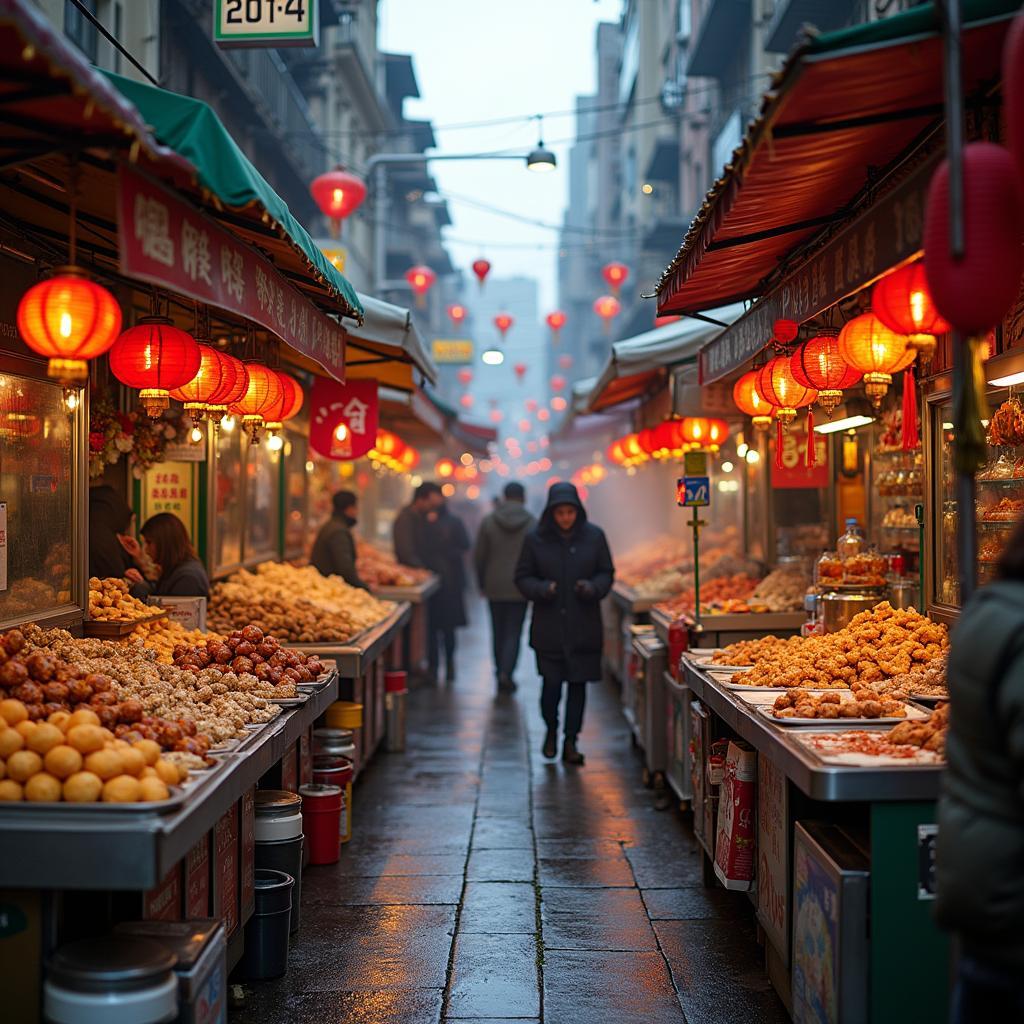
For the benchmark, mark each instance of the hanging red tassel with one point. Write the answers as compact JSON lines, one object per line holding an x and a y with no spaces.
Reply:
{"x":809,"y":455}
{"x":911,"y":439}
{"x":778,"y":443}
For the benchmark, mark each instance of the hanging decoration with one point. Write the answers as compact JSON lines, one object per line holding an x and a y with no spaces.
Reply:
{"x":751,"y":402}
{"x":556,"y":321}
{"x":262,"y":392}
{"x":235,"y":383}
{"x":607,"y":307}
{"x":465,"y":377}
{"x":902,"y":302}
{"x":525,"y":426}
{"x":503,"y":323}
{"x":520,"y":371}
{"x":208,"y":381}
{"x":420,"y":279}
{"x":785,"y":331}
{"x":338,"y":193}
{"x":557,"y":382}
{"x":558,"y":404}
{"x":668,"y":439}
{"x":286,"y":406}
{"x":343,"y":418}
{"x":874,"y":351}
{"x":615,"y":275}
{"x":481,"y":268}
{"x":786,"y":394}
{"x":565,"y":361}
{"x":496,"y":415}
{"x":457,"y":313}
{"x":817,"y":364}
{"x":466,"y":401}
{"x":910,"y":437}
{"x":155,"y":357}
{"x":531,"y":405}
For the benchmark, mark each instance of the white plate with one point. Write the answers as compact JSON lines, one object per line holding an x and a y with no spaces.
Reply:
{"x":913,"y":714}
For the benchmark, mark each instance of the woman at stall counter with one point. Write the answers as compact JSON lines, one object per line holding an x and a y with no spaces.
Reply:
{"x":168,"y":545}
{"x":565,"y":569}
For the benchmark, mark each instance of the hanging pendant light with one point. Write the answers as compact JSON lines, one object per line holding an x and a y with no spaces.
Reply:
{"x":874,"y":351}
{"x":420,"y":279}
{"x":607,"y":307}
{"x":503,"y":322}
{"x":457,"y":313}
{"x":556,"y":321}
{"x":208,"y":381}
{"x":236,"y":380}
{"x":339,"y":194}
{"x":615,"y":274}
{"x":817,"y":364}
{"x":902,"y":302}
{"x":778,"y":385}
{"x":481,"y":268}
{"x":155,"y":357}
{"x":263,"y":389}
{"x":751,"y":402}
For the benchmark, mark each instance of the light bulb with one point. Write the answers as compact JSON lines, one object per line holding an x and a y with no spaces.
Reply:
{"x":275,"y":442}
{"x":196,"y":435}
{"x":309,"y":466}
{"x":340,"y":432}
{"x":227,"y":424}
{"x":753,"y":456}
{"x":71,"y":400}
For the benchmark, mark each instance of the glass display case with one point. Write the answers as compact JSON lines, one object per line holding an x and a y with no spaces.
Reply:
{"x":896,"y":489}
{"x":296,"y":495}
{"x":226,"y":505}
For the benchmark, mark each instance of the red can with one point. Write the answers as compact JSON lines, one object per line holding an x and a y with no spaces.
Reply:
{"x":335,"y":770}
{"x":321,"y":815}
{"x":678,"y":642}
{"x":394,"y":682}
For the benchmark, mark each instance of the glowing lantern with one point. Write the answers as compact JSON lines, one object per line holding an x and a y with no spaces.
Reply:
{"x":565,"y":361}
{"x":785,"y":331}
{"x":465,"y":377}
{"x":520,"y":370}
{"x":235,"y":383}
{"x":444,"y":468}
{"x":285,"y":406}
{"x":262,"y":392}
{"x":557,"y":382}
{"x":668,"y":438}
{"x":525,"y":426}
{"x":615,"y":275}
{"x":457,"y":313}
{"x":503,"y":322}
{"x":607,"y":307}
{"x":615,"y":453}
{"x":339,"y":194}
{"x":543,"y":415}
{"x":817,"y":364}
{"x":466,"y":401}
{"x":718,"y":431}
{"x":556,"y":321}
{"x":874,"y":351}
{"x":902,"y":302}
{"x":410,"y":459}
{"x":782,"y":390}
{"x":496,"y":416}
{"x":559,"y":404}
{"x":531,"y":404}
{"x":646,"y":440}
{"x":421,"y":279}
{"x":155,"y":357}
{"x":68,"y":319}
{"x":481,"y":268}
{"x":208,"y":381}
{"x":751,"y":402}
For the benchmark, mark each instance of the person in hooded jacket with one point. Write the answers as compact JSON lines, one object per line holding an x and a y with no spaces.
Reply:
{"x":980,"y":845}
{"x":565,"y":569}
{"x":495,"y":554}
{"x":113,"y":552}
{"x":334,"y":550}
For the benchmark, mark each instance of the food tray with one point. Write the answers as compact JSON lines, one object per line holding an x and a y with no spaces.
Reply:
{"x":178,"y":796}
{"x":291,"y":702}
{"x":104,"y":629}
{"x":716,"y":670}
{"x":913,"y":714}
{"x":916,"y":757}
{"x":766,"y":696}
{"x":926,"y":698}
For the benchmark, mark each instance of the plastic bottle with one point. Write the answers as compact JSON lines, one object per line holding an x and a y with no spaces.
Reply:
{"x":852,"y":541}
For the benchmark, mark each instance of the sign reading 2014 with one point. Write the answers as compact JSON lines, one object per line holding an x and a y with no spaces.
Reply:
{"x":266,"y":22}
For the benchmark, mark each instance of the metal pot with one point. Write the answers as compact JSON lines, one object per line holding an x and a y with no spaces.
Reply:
{"x":838,"y":609}
{"x":904,"y":594}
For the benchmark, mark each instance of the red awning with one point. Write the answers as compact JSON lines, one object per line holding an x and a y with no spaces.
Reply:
{"x":844,"y":109}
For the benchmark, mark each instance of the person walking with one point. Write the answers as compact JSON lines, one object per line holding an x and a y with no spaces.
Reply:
{"x":445,"y":543}
{"x":495,"y":554}
{"x":980,"y":846}
{"x":565,"y":569}
{"x":334,"y":550}
{"x":407,"y":532}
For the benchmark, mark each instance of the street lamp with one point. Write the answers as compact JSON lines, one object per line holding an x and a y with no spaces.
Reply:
{"x":540,"y":159}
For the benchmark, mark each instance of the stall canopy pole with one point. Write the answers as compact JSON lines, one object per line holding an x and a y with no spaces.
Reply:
{"x":966,"y":534}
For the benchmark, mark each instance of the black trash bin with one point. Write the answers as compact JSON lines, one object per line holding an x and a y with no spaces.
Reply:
{"x":266,"y":934}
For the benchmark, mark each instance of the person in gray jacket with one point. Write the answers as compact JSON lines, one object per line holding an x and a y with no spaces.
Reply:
{"x":498,"y":544}
{"x":334,"y":550}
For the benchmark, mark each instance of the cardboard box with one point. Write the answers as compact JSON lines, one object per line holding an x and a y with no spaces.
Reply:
{"x":225,"y":871}
{"x":197,"y":880}
{"x":736,"y":841}
{"x":247,"y":854}
{"x":163,"y":901}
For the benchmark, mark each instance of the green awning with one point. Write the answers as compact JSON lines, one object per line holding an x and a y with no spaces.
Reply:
{"x":192,"y":129}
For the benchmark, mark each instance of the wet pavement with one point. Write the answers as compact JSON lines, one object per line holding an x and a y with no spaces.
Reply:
{"x":483,"y":883}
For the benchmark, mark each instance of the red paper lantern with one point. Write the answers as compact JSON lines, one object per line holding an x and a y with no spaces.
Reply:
{"x":668,"y":437}
{"x":466,"y":401}
{"x":420,"y":279}
{"x":782,"y":390}
{"x":481,"y":268}
{"x":531,"y":404}
{"x":785,"y":331}
{"x":607,"y":307}
{"x":69,"y":319}
{"x":503,"y":322}
{"x":873,"y":350}
{"x":444,"y":468}
{"x":339,"y":194}
{"x":975,"y":292}
{"x":557,"y":382}
{"x":286,"y":405}
{"x":496,"y":415}
{"x":208,"y":381}
{"x":556,"y":321}
{"x":155,"y":357}
{"x":465,"y":377}
{"x":262,"y":391}
{"x":235,"y":383}
{"x":525,"y":426}
{"x":520,"y":370}
{"x":902,"y":302}
{"x":559,"y":404}
{"x":565,"y":361}
{"x":817,"y":364}
{"x":1013,"y":92}
{"x":457,"y":313}
{"x":646,"y":441}
{"x":751,"y":402}
{"x":543,"y":415}
{"x":615,"y":275}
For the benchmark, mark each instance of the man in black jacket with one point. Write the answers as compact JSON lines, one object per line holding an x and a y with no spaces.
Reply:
{"x":334,"y":551}
{"x":565,"y":569}
{"x":409,"y":530}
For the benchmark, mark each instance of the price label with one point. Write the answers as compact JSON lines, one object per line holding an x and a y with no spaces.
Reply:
{"x":693,"y":491}
{"x":270,"y":23}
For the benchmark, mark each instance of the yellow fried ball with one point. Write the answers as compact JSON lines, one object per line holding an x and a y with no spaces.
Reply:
{"x":10,"y":791}
{"x":149,"y":749}
{"x":43,"y":788}
{"x":60,"y":719}
{"x":122,"y":789}
{"x":105,"y":763}
{"x":153,"y":789}
{"x":86,"y":738}
{"x":23,"y":765}
{"x":83,"y":788}
{"x":11,"y":741}
{"x":26,"y":728}
{"x":13,"y":711}
{"x":132,"y":761}
{"x":167,"y":771}
{"x":83,"y":716}
{"x":44,"y":737}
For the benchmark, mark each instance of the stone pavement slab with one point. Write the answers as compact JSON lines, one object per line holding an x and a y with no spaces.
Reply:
{"x":609,"y":919}
{"x":500,"y":908}
{"x":494,"y":974}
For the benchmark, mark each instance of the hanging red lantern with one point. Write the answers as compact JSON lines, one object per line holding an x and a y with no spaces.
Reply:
{"x":543,"y":415}
{"x":646,"y":441}
{"x":420,"y":279}
{"x":873,"y":350}
{"x":457,"y":313}
{"x":234,"y":384}
{"x":155,"y":357}
{"x":556,"y":321}
{"x":565,"y":361}
{"x":1013,"y":92}
{"x":615,"y":275}
{"x":559,"y":404}
{"x":607,"y":307}
{"x":751,"y":402}
{"x":410,"y":459}
{"x":817,"y":364}
{"x":465,"y":377}
{"x":786,"y":394}
{"x":531,"y":404}
{"x":557,"y":382}
{"x":902,"y":302}
{"x":466,"y":401}
{"x":975,"y":292}
{"x":262,"y":391}
{"x":338,"y":193}
{"x":284,"y":406}
{"x":520,"y":370}
{"x":69,"y":319}
{"x":496,"y":415}
{"x":208,"y":381}
{"x":481,"y":268}
{"x":668,"y":438}
{"x":718,"y":432}
{"x":525,"y":426}
{"x":444,"y":468}
{"x":503,"y":322}
{"x":785,"y":331}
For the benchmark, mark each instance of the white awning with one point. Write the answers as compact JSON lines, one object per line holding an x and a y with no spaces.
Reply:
{"x":387,"y":345}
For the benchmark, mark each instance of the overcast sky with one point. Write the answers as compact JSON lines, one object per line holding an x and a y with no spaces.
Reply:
{"x":479,"y":60}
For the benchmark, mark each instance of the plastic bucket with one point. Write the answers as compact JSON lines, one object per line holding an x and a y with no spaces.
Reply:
{"x":284,"y":855}
{"x":266,"y":934}
{"x":395,"y":682}
{"x":345,"y":714}
{"x":321,"y":821}
{"x":278,"y":815}
{"x":337,"y":771}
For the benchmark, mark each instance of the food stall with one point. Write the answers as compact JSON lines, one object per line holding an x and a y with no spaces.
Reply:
{"x":832,"y":742}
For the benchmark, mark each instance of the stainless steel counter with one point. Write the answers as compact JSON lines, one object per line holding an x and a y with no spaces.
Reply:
{"x":415,"y":594}
{"x":353,"y":656}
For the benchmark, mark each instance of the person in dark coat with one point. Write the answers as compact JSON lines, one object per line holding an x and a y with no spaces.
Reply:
{"x":980,"y":847}
{"x":565,"y":569}
{"x":445,"y":543}
{"x":168,"y":546}
{"x":334,"y":550}
{"x":495,"y":554}
{"x":110,"y":519}
{"x":408,"y":532}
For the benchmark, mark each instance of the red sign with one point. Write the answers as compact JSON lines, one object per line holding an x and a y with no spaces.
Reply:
{"x":165,"y":241}
{"x":344,"y":423}
{"x":795,"y":472}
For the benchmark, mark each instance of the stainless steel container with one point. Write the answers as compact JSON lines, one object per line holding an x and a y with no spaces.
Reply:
{"x":904,"y":594}
{"x":838,"y":609}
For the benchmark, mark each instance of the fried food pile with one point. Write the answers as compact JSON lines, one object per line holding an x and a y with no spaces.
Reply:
{"x":921,"y":681}
{"x":378,"y":568}
{"x":109,"y":601}
{"x":745,"y":652}
{"x":781,"y":591}
{"x":162,"y":635}
{"x":797,"y":703}
{"x":876,"y":645}
{"x":248,"y":650}
{"x":928,"y":735}
{"x":726,"y":594}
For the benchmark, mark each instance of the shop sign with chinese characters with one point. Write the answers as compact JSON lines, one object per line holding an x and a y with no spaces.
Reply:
{"x":344,"y":418}
{"x":165,"y":241}
{"x":167,"y":487}
{"x":454,"y":352}
{"x":266,"y":23}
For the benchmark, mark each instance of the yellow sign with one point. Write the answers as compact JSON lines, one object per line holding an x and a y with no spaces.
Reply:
{"x":337,"y":256}
{"x":695,"y":463}
{"x":456,"y":351}
{"x":170,"y":487}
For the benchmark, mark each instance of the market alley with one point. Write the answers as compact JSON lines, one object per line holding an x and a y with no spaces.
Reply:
{"x":485,"y":884}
